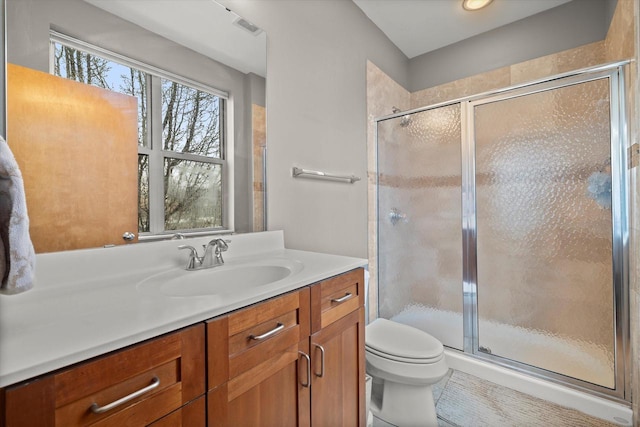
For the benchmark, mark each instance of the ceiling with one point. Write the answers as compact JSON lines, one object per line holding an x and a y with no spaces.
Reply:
{"x":415,"y":26}
{"x":203,"y":25}
{"x":420,"y":26}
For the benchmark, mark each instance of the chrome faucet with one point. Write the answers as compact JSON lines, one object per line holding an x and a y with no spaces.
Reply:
{"x":217,"y":246}
{"x":212,"y":256}
{"x":194,"y":260}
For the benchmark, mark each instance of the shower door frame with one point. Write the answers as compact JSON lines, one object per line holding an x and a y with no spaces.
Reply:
{"x":619,"y":217}
{"x":619,"y":144}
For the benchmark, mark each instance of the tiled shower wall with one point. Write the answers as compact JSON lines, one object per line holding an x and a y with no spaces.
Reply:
{"x":383,"y":94}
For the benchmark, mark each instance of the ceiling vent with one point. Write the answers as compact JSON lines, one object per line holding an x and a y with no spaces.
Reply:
{"x":247,"y":26}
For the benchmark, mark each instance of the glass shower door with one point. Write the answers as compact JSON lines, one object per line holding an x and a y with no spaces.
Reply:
{"x":419,"y":217}
{"x":545,"y":229}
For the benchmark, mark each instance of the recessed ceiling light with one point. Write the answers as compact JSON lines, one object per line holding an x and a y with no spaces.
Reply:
{"x":475,"y":4}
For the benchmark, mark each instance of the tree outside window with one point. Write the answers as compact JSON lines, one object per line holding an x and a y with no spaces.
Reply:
{"x":191,"y":145}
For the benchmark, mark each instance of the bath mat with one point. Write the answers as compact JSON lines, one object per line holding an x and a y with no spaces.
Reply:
{"x":469,"y":401}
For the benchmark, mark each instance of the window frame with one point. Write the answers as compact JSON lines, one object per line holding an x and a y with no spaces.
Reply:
{"x":153,"y":146}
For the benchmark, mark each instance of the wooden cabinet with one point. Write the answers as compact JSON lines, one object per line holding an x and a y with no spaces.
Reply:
{"x":337,"y":351}
{"x":295,"y":360}
{"x":255,"y":376}
{"x":131,"y":387}
{"x":192,"y":414}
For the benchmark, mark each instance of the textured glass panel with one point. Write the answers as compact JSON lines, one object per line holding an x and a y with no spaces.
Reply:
{"x":420,"y":237}
{"x":543,"y":176}
{"x":193,"y":194}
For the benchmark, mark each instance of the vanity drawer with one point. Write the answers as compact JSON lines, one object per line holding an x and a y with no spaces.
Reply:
{"x":158,"y":376}
{"x":242,"y":340}
{"x":334,"y":298}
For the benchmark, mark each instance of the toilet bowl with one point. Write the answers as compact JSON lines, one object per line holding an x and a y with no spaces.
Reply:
{"x":404,"y":363}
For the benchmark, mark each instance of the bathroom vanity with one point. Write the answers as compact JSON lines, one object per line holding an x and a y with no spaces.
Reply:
{"x":288,"y":352}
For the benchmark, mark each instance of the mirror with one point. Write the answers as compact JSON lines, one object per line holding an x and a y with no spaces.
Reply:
{"x":195,"y":49}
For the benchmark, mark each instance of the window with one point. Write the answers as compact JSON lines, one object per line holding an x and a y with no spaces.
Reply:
{"x":181,"y":170}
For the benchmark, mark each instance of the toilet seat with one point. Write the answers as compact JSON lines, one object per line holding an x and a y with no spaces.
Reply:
{"x":402,"y":343}
{"x":411,"y":360}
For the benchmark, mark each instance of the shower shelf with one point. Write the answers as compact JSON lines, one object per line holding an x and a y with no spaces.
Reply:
{"x":305,"y":173}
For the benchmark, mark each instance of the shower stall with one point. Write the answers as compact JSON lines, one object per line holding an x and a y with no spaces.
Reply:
{"x":503,"y":227}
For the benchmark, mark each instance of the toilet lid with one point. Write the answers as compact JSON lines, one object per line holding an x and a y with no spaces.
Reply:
{"x":401,"y":341}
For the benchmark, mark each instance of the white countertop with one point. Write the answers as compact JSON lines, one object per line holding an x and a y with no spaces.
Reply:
{"x":87,"y":303}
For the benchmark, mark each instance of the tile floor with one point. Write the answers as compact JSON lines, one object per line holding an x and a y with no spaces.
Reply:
{"x":463,"y":400}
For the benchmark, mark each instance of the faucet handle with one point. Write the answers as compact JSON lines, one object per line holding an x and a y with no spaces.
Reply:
{"x":193,"y":257}
{"x":220,"y":244}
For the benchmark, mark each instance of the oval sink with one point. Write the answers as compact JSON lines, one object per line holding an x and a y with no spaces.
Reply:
{"x":221,"y":280}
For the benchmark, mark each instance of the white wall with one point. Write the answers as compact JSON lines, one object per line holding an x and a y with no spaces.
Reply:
{"x":316,"y":116}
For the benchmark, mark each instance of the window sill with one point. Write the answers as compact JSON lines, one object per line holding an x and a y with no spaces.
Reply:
{"x":147,"y":237}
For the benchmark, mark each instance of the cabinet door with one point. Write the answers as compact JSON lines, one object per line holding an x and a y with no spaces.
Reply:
{"x":337,"y":354}
{"x":274,"y":393}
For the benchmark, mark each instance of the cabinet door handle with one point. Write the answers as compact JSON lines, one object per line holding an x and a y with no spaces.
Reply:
{"x":96,"y":409}
{"x":268,"y":333}
{"x":321,"y":374}
{"x":306,"y":356}
{"x":342,"y":299}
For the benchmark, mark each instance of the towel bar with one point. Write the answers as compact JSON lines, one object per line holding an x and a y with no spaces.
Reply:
{"x":305,"y":173}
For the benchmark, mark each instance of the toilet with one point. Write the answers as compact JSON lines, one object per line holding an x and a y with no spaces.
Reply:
{"x":404,"y":363}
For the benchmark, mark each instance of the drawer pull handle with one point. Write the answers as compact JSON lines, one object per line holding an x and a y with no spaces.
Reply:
{"x":155,"y":382}
{"x":267,"y":334}
{"x":342,"y":299}
{"x":306,"y":356}
{"x":321,"y":374}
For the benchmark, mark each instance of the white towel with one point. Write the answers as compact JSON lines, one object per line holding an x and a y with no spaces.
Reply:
{"x":17,"y":257}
